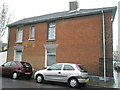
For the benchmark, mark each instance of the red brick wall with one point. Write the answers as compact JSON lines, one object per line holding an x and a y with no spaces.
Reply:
{"x":79,"y":40}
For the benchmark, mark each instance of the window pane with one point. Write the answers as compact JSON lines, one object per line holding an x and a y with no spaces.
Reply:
{"x":7,"y":64}
{"x":52,"y":30}
{"x":51,"y":60}
{"x":56,"y":67}
{"x":82,"y":68}
{"x":52,"y":24}
{"x":25,"y":65}
{"x":18,"y":56}
{"x":32,"y":33}
{"x":51,"y":56}
{"x":68,"y":67}
{"x":20,"y":34}
{"x":13,"y":64}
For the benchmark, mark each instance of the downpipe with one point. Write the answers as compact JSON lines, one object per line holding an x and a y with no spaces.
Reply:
{"x":104,"y":56}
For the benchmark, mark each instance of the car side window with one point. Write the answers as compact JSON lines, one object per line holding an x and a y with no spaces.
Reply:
{"x":13,"y":64}
{"x":7,"y":64}
{"x":68,"y":67}
{"x":55,"y":67}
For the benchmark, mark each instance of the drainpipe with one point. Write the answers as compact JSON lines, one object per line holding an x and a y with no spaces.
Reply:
{"x":103,"y":27}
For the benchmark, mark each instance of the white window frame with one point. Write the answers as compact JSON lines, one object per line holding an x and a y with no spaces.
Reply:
{"x":45,"y":57}
{"x":51,"y":31}
{"x":19,"y":37}
{"x":32,"y":33}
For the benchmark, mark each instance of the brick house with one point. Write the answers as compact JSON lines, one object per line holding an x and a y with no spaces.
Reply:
{"x":74,"y":36}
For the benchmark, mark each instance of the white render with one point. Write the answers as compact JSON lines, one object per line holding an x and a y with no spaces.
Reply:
{"x":3,"y":57}
{"x":119,"y":27}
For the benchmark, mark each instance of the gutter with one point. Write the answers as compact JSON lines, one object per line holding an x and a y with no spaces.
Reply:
{"x":103,"y":30}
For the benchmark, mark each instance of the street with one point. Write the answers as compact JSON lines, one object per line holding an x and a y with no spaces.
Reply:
{"x":23,"y":83}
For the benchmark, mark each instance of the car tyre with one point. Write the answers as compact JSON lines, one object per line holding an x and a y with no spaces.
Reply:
{"x":73,"y":82}
{"x":39,"y":79}
{"x":83,"y":84}
{"x":15,"y":75}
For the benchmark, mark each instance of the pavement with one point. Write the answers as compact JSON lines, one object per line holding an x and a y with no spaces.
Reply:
{"x":101,"y":83}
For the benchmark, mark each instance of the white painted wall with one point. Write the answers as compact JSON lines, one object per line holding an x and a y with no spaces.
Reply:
{"x":119,"y":27}
{"x":116,"y":77}
{"x":3,"y":57}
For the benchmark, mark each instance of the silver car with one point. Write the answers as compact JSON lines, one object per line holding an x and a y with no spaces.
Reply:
{"x":73,"y":74}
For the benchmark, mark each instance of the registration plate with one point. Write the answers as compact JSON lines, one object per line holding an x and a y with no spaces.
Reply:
{"x":27,"y":73}
{"x":86,"y":80}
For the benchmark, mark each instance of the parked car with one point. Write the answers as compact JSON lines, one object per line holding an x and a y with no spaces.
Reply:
{"x":73,"y":74}
{"x":117,"y":66}
{"x":17,"y":69}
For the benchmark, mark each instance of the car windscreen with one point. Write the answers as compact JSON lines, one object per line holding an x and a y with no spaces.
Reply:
{"x":82,"y":68}
{"x":25,"y":65}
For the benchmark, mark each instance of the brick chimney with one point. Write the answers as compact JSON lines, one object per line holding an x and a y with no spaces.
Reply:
{"x":73,"y":5}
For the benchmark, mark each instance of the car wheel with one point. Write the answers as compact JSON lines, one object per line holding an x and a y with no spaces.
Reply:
{"x":15,"y":75}
{"x":73,"y":82}
{"x":39,"y":79}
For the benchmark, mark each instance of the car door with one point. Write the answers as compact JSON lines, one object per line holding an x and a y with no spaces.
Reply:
{"x":6,"y":68}
{"x":53,"y":73}
{"x":13,"y":67}
{"x":67,"y":71}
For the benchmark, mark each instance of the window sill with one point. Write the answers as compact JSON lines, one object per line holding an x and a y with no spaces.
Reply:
{"x":50,"y":40}
{"x":31,"y":39}
{"x":18,"y":42}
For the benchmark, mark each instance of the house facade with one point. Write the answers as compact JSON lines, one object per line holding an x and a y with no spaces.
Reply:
{"x":3,"y":53}
{"x":69,"y":36}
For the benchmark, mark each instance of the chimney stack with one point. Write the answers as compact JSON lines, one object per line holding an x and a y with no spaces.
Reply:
{"x":73,"y":5}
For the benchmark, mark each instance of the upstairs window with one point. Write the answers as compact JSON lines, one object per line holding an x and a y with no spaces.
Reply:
{"x":20,"y":34}
{"x":32,"y":33}
{"x":52,"y":31}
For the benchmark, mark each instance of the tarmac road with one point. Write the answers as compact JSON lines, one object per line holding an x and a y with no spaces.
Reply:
{"x":23,"y":83}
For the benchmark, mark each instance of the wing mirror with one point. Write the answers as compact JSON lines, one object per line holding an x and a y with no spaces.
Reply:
{"x":49,"y":69}
{"x":3,"y":65}
{"x":45,"y":68}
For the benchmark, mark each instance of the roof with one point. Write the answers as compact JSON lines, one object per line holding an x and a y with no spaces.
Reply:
{"x":64,"y":15}
{"x":4,"y":44}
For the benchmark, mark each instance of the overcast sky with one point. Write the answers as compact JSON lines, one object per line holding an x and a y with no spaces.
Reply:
{"x":28,"y":8}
